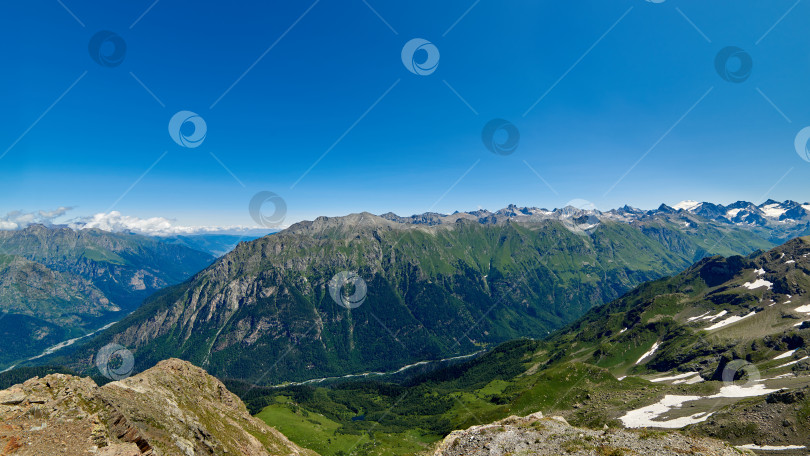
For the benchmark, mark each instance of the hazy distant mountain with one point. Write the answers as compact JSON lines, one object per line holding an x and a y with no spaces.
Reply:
{"x":436,"y":286}
{"x":57,"y":282}
{"x":216,"y":244}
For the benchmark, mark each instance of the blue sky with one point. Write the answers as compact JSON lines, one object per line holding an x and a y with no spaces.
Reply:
{"x":620,"y":77}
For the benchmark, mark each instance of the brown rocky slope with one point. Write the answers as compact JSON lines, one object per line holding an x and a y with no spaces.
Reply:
{"x":174,"y":408}
{"x":538,"y":435}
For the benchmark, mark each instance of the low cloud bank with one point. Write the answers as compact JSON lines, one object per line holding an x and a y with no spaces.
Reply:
{"x":116,"y":222}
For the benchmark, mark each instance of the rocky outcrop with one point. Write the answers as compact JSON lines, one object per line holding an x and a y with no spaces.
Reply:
{"x":537,"y":435}
{"x":171,"y":409}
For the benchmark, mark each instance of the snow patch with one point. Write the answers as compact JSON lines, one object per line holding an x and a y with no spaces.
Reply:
{"x":802,"y":309}
{"x":737,"y":391}
{"x":687,"y":205}
{"x":729,"y":320}
{"x":698,"y":317}
{"x":714,"y":317}
{"x":751,"y":446}
{"x":674,"y":377}
{"x":773,"y":210}
{"x":760,"y":271}
{"x":649,"y":353}
{"x":758,"y":284}
{"x":645,"y":416}
{"x":791,"y":363}
{"x":785,"y":355}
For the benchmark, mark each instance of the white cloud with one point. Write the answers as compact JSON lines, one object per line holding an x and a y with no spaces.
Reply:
{"x":154,"y":226}
{"x":116,"y":222}
{"x":56,"y":213}
{"x":19,"y":219}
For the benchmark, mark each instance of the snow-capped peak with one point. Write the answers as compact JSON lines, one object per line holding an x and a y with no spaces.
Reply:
{"x":687,"y":205}
{"x":774,"y":210}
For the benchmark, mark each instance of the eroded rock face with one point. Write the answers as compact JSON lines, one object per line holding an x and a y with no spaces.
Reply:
{"x":541,"y":436}
{"x":172,"y":409}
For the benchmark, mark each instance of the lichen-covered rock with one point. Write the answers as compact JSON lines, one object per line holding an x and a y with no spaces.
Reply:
{"x":174,"y":408}
{"x":553,"y":436}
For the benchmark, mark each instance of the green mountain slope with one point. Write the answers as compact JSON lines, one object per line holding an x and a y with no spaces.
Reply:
{"x":264,"y":313}
{"x":58,"y":283}
{"x":719,"y":305}
{"x":731,"y":343}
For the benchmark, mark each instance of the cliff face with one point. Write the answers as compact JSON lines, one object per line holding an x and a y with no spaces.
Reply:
{"x":171,"y":409}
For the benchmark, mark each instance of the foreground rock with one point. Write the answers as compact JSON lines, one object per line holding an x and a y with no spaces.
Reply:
{"x":174,"y":408}
{"x":537,"y":435}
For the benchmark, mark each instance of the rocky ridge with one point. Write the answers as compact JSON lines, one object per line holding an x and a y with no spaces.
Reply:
{"x":538,"y":435}
{"x":171,"y":409}
{"x":771,"y":220}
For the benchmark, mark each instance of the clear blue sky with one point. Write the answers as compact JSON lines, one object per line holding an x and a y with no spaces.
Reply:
{"x":631,"y":70}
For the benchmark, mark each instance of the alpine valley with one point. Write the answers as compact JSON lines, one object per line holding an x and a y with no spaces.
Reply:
{"x":57,"y":283}
{"x":679,"y":330}
{"x":438,"y":286}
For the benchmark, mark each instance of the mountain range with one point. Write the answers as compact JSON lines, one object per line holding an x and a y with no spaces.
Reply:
{"x":772,"y":220}
{"x":775,"y":221}
{"x":434,"y":286}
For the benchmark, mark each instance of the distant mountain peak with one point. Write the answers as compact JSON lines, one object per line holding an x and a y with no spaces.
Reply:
{"x":773,"y":220}
{"x":687,"y":205}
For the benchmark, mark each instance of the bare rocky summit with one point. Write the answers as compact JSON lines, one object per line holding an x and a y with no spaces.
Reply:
{"x":538,"y":435}
{"x":174,"y":408}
